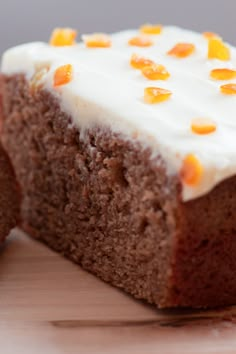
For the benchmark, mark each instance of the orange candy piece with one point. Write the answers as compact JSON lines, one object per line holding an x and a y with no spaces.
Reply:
{"x":155,"y":72}
{"x":63,"y":37}
{"x":217,"y":49}
{"x":139,"y":62}
{"x":151,"y":29}
{"x":208,"y":35}
{"x":97,"y":40}
{"x":191,"y":171}
{"x":154,"y":95}
{"x":140,"y":41}
{"x":182,"y":50}
{"x":63,"y":75}
{"x":203,"y":126}
{"x":228,"y":89}
{"x":223,"y":74}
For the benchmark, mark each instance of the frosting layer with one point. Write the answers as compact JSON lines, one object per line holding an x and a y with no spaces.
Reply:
{"x":106,"y":90}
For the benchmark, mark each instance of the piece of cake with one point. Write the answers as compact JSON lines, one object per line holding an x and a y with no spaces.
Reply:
{"x":10,"y":197}
{"x":125,"y":149}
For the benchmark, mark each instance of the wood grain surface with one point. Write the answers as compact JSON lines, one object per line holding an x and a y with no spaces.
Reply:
{"x":51,"y":306}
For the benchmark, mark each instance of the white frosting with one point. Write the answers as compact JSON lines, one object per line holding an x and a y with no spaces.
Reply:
{"x":106,"y":90}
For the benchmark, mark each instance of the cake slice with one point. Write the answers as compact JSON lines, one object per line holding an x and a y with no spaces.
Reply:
{"x":125,"y":149}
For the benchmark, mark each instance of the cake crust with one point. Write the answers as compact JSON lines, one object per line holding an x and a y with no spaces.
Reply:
{"x":103,"y":202}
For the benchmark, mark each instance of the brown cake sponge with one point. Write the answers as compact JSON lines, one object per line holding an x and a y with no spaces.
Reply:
{"x":9,"y":196}
{"x":104,"y":203}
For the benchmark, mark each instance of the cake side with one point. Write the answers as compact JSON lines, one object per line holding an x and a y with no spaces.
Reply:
{"x":203,"y":259}
{"x":98,"y":199}
{"x":105,"y":203}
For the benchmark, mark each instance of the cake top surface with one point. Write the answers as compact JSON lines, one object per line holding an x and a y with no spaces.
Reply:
{"x":172,"y":89}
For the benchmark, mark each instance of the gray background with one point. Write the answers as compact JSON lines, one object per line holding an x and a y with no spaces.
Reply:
{"x":24,"y":20}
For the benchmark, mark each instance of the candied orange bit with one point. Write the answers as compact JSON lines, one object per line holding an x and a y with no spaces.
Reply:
{"x":203,"y":126}
{"x":151,"y":29}
{"x":97,"y":40}
{"x":217,"y":49}
{"x":63,"y":37}
{"x":223,"y":74}
{"x":155,"y":72}
{"x":139,"y":62}
{"x":182,"y":50}
{"x":208,"y":35}
{"x":156,"y":95}
{"x":191,"y":171}
{"x":228,"y":89}
{"x":140,"y":41}
{"x":63,"y":75}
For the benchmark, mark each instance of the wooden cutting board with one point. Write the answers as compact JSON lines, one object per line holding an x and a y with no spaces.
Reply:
{"x":51,"y":306}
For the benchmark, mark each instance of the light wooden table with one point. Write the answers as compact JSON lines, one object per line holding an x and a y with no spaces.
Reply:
{"x":50,"y":306}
